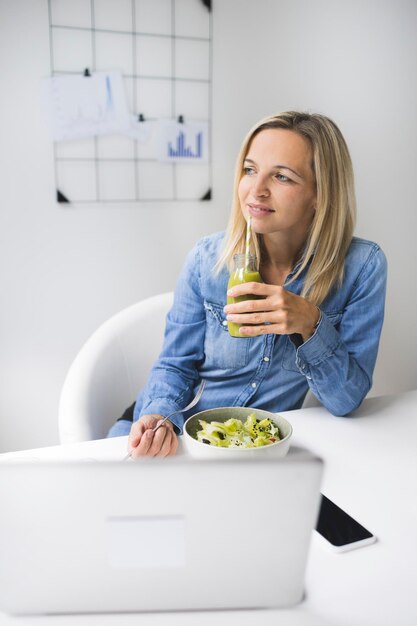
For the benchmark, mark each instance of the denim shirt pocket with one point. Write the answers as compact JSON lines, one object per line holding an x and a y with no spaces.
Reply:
{"x":221,"y":349}
{"x":290,"y":350}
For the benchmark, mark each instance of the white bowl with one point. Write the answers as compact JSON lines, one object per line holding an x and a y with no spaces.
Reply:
{"x":201,"y":450}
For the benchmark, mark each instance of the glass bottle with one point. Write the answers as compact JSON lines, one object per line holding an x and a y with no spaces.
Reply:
{"x":242,"y":274}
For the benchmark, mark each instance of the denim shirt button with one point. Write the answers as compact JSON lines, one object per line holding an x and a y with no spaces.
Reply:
{"x":266,"y":359}
{"x":253,"y":385}
{"x":224,"y":323}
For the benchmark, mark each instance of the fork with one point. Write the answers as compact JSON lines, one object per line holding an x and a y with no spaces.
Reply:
{"x":189,"y":406}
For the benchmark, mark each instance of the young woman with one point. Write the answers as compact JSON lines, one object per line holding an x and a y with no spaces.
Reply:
{"x":318,"y":322}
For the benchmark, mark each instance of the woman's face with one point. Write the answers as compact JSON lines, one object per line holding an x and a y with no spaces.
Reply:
{"x":277,"y":187}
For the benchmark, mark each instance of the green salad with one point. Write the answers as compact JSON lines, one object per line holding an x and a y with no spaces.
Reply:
{"x":235,"y":434}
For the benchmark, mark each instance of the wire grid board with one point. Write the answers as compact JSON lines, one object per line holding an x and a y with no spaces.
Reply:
{"x":163,"y":49}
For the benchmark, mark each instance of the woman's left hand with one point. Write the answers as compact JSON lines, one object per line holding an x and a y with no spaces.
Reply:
{"x":284,"y":312}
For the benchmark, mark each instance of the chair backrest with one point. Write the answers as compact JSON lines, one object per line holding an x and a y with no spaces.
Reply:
{"x":110,"y":369}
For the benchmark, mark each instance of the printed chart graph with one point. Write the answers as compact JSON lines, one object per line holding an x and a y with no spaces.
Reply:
{"x":181,"y":150}
{"x":162,"y":49}
{"x":182,"y":142}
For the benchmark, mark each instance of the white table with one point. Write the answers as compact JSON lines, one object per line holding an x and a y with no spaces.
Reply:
{"x":371,"y":472}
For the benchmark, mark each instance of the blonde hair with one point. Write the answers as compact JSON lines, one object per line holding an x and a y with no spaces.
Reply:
{"x":332,"y":227}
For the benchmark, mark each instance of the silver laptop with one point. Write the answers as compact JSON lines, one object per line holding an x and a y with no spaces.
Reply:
{"x":166,"y":534}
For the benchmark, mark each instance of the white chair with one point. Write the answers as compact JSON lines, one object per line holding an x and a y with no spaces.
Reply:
{"x":110,"y":369}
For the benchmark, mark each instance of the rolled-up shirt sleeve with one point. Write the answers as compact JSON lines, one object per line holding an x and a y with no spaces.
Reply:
{"x":338,"y":362}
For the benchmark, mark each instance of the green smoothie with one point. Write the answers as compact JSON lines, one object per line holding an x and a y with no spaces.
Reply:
{"x":240,"y":275}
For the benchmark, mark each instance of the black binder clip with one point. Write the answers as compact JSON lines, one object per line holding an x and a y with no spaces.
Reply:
{"x":141,"y":117}
{"x":87,"y":72}
{"x":180,"y":119}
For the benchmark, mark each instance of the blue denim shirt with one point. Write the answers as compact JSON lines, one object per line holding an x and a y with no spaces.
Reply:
{"x":271,"y":372}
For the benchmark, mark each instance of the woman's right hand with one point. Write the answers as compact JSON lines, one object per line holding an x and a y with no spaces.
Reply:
{"x":143,"y":442}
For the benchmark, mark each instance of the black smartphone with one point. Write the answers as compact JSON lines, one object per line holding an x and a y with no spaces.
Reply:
{"x":340,"y":529}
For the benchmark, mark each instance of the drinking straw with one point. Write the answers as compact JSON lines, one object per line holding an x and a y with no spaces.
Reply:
{"x":248,"y":240}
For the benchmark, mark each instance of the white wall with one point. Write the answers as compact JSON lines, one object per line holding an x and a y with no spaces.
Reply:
{"x":64,"y":270}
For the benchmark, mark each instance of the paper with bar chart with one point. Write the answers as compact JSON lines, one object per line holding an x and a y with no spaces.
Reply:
{"x":183,"y":142}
